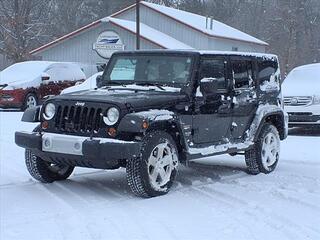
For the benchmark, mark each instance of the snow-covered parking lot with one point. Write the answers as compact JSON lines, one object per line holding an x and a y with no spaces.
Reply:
{"x":209,"y":201}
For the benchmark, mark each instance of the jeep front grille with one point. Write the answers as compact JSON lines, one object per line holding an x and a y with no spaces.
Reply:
{"x":78,"y":119}
{"x":297,"y":101}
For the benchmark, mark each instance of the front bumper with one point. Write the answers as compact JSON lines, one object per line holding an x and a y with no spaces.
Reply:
{"x":300,"y":119}
{"x":101,"y":153}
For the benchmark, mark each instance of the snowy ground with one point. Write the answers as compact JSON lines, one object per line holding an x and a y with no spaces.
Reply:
{"x":207,"y":202}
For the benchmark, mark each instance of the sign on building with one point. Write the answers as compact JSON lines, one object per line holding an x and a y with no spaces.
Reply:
{"x":107,"y":43}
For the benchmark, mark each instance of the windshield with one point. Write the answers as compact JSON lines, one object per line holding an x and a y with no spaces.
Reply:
{"x":149,"y":69}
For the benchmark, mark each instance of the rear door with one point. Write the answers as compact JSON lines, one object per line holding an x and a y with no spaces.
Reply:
{"x":244,"y":100}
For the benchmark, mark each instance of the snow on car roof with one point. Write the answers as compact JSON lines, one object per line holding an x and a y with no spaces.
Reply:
{"x":199,"y":22}
{"x":204,"y":52}
{"x":27,"y":74}
{"x":149,"y":33}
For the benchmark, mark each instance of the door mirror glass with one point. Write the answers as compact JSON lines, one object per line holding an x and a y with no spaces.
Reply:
{"x":209,"y":86}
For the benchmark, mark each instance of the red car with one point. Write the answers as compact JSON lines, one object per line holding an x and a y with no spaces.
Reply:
{"x":24,"y":84}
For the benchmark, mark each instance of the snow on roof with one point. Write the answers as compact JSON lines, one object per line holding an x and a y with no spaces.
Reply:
{"x":149,"y":33}
{"x":199,"y":22}
{"x":251,"y":54}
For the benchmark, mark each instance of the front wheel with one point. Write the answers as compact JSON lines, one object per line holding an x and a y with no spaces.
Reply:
{"x":46,"y":172}
{"x":264,"y":156}
{"x":31,"y":100}
{"x":153,"y":172}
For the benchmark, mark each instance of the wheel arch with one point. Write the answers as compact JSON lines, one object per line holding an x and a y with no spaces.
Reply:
{"x":174,"y":129}
{"x":277,"y":119}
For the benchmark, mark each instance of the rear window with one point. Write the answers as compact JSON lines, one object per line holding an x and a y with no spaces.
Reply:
{"x":266,"y":69}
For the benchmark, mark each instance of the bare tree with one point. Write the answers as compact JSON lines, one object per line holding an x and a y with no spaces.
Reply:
{"x":20,"y":27}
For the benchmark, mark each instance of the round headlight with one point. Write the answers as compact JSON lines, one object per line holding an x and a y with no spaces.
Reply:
{"x":49,"y":111}
{"x":112,"y":116}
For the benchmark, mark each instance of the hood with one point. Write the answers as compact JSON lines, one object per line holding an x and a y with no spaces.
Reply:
{"x":302,"y":81}
{"x":136,"y":99}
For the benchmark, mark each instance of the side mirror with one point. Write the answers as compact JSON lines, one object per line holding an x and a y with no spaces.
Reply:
{"x":209,"y":87}
{"x":45,"y":77}
{"x":99,"y":81}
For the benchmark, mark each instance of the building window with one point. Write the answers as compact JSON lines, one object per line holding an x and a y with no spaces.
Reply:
{"x":235,"y":49}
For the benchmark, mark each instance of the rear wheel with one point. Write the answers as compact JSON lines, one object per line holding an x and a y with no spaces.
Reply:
{"x":153,"y":172}
{"x":264,"y":156}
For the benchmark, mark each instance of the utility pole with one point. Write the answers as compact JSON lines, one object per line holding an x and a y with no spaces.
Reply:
{"x":138,"y":24}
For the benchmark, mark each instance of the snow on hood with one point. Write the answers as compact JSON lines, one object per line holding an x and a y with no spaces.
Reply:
{"x":88,"y":84}
{"x":24,"y":73}
{"x":303,"y":81}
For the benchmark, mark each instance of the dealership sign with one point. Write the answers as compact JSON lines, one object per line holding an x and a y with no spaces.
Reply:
{"x":107,"y":43}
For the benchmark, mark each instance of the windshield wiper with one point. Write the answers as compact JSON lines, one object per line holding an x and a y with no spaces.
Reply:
{"x":150,"y":84}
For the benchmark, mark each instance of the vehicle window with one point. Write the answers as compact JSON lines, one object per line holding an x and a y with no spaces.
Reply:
{"x":214,"y":68}
{"x":242,"y":73}
{"x":58,"y":73}
{"x":150,"y":68}
{"x":124,"y":70}
{"x":266,"y":70}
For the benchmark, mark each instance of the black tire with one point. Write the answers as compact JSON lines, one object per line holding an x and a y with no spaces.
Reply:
{"x":255,"y":156}
{"x":138,"y":176}
{"x":27,"y":98}
{"x":44,"y":171}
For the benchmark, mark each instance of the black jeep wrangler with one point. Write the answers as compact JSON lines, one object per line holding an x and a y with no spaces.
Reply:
{"x":155,"y":109}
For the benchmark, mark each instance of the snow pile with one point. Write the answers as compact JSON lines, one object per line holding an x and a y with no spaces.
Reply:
{"x":199,"y":22}
{"x":303,"y":81}
{"x":88,"y":84}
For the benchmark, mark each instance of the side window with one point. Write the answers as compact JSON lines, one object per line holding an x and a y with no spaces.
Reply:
{"x":57,"y":74}
{"x":214,"y":68}
{"x":266,"y":70}
{"x":124,"y":70}
{"x":242,"y":73}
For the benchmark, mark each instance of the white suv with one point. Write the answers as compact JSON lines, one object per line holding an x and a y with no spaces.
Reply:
{"x":301,"y":90}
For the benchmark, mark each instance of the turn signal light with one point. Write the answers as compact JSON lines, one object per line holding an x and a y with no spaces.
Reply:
{"x":112,"y":132}
{"x":45,"y":125}
{"x":145,"y":125}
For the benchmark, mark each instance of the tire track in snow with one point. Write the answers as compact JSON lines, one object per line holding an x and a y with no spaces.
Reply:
{"x":275,"y":216}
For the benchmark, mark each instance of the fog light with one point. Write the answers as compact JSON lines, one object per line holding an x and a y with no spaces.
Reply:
{"x":77,"y":146}
{"x":45,"y":125}
{"x":112,"y":132}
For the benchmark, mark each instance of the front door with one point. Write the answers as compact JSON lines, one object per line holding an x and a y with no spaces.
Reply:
{"x":212,"y":118}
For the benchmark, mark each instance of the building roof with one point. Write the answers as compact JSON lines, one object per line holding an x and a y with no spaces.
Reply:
{"x":149,"y":34}
{"x":199,"y":23}
{"x":194,"y":21}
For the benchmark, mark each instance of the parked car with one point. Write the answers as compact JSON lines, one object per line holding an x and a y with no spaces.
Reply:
{"x":301,"y":91}
{"x":88,"y":84}
{"x":24,"y":84}
{"x":168,"y":107}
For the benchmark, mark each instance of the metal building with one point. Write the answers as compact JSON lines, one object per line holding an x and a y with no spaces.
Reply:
{"x":161,"y":28}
